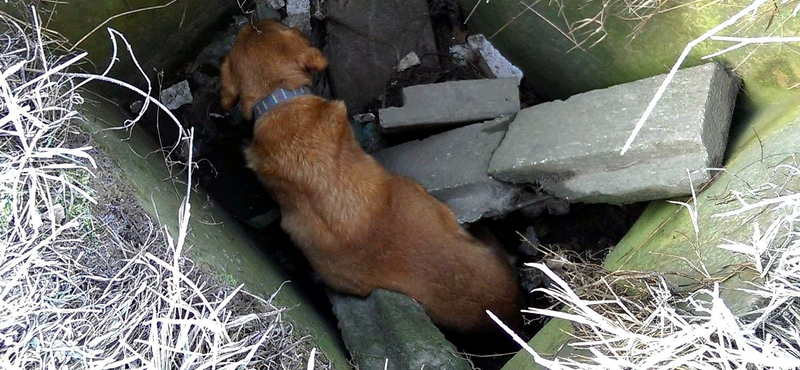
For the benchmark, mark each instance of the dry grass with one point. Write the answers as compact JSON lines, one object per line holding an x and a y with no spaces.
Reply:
{"x":74,"y":296}
{"x":637,"y":320}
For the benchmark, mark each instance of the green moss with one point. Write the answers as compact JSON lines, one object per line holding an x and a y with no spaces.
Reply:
{"x":551,"y":62}
{"x":163,"y":39}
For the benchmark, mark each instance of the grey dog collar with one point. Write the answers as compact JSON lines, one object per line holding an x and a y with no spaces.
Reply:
{"x":278,"y":96}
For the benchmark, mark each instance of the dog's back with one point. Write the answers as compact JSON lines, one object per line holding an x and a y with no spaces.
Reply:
{"x":360,"y":227}
{"x":363,"y":228}
{"x":456,"y":277}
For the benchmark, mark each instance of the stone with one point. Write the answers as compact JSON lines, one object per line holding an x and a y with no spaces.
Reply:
{"x":298,"y":7}
{"x":366,"y":40}
{"x":554,"y":206}
{"x":532,"y":278}
{"x":298,"y":15}
{"x":572,"y":147}
{"x":497,"y":63}
{"x":451,"y":103}
{"x":452,"y":167}
{"x":300,"y":21}
{"x":408,"y":61}
{"x":365,"y":117}
{"x":176,"y":95}
{"x":388,"y":330}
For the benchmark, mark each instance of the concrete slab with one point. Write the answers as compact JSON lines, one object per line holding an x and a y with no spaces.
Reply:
{"x":571,"y":148}
{"x":366,"y":40}
{"x":452,"y":167}
{"x":453,"y":102}
{"x":497,"y":63}
{"x":388,"y":330}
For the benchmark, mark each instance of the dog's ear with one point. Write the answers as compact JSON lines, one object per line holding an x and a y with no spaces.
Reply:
{"x":313,"y":60}
{"x":229,"y":89}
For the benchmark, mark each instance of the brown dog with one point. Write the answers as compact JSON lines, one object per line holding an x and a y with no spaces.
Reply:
{"x":360,"y":227}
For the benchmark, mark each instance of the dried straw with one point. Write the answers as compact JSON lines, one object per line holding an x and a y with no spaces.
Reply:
{"x":78,"y":297}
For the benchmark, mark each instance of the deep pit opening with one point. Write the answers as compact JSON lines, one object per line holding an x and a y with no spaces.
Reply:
{"x":763,"y":125}
{"x":586,"y":230}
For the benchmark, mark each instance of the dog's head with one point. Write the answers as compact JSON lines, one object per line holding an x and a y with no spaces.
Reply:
{"x":266,"y":56}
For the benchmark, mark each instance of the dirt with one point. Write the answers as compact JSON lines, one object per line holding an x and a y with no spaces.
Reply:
{"x":116,"y":209}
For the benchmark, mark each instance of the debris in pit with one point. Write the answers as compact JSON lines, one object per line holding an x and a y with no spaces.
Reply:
{"x":176,"y":95}
{"x":529,"y":242}
{"x":273,"y":4}
{"x":298,"y":15}
{"x":366,"y":41}
{"x":410,"y":60}
{"x":364,"y":117}
{"x":452,"y":103}
{"x":553,"y":205}
{"x":452,"y":165}
{"x":219,"y":47}
{"x":203,"y":117}
{"x":669,"y":158}
{"x":478,"y":47}
{"x":368,"y":133}
{"x":266,"y":11}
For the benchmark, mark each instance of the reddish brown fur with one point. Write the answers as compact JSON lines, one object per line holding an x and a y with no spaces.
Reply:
{"x":361,"y":227}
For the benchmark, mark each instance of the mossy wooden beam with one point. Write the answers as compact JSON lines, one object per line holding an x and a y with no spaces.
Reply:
{"x":222,"y":247}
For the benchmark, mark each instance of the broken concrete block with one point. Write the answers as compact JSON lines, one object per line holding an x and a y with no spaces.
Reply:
{"x":452,"y":167}
{"x":477,"y":45}
{"x":388,"y":330}
{"x":298,"y":15}
{"x":572,"y":147}
{"x":364,"y":117}
{"x":408,"y":61}
{"x":452,"y":102}
{"x":176,"y":95}
{"x":373,"y":35}
{"x":298,"y":7}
